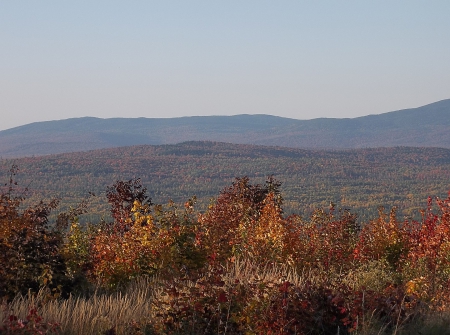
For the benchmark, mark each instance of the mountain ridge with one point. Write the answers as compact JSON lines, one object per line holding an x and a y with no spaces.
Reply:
{"x":425,"y":126}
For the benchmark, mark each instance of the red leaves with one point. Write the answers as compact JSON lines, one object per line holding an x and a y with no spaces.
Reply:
{"x":239,"y":222}
{"x":121,"y":197}
{"x":30,"y":250}
{"x":33,"y":325}
{"x":284,"y":288}
{"x":194,"y":256}
{"x":222,"y":297}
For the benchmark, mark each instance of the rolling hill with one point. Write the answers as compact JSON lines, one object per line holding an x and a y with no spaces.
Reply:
{"x":358,"y":179}
{"x":426,"y":126}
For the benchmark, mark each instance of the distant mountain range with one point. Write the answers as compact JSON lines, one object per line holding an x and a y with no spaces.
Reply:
{"x":426,"y":126}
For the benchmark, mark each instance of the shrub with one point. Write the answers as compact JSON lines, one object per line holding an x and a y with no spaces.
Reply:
{"x":33,"y":324}
{"x":30,"y":251}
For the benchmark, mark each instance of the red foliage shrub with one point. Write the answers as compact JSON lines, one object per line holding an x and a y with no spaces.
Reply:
{"x":32,"y":325}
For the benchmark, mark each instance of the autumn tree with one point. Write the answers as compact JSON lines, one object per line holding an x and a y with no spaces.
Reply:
{"x":30,"y":256}
{"x":122,"y":196}
{"x":226,"y":225}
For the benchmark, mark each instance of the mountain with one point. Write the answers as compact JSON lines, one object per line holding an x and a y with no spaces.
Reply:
{"x":426,"y":126}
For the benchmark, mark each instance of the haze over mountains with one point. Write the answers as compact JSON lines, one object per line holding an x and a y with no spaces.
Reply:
{"x":426,"y":126}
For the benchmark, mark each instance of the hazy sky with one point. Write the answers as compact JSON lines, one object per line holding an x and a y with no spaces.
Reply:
{"x":298,"y":59}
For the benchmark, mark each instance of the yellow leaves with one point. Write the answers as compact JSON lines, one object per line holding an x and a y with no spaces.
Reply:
{"x":136,"y":206}
{"x":418,"y":286}
{"x":149,"y":244}
{"x":261,"y":237}
{"x":142,"y":217}
{"x":270,"y":229}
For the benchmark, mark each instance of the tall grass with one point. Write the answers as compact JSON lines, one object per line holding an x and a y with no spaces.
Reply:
{"x":121,"y":312}
{"x":131,"y":311}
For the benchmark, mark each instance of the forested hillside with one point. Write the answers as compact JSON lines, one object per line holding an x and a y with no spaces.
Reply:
{"x":426,"y":126}
{"x":358,"y":179}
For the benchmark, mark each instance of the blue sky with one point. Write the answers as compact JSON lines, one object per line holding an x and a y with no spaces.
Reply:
{"x":297,"y":59}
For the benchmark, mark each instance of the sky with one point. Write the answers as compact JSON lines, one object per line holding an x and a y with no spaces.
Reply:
{"x":296,"y":59}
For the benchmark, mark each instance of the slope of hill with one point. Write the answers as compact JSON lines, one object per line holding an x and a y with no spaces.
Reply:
{"x":358,"y":179}
{"x":425,"y":126}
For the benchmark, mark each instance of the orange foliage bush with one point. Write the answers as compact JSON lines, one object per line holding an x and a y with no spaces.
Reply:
{"x":384,"y":238}
{"x":229,"y":224}
{"x":193,"y":251}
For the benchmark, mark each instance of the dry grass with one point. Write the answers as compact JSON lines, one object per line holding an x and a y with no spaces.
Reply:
{"x":93,"y":315}
{"x":122,"y":311}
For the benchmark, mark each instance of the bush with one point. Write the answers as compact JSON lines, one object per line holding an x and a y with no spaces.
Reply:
{"x":30,"y":251}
